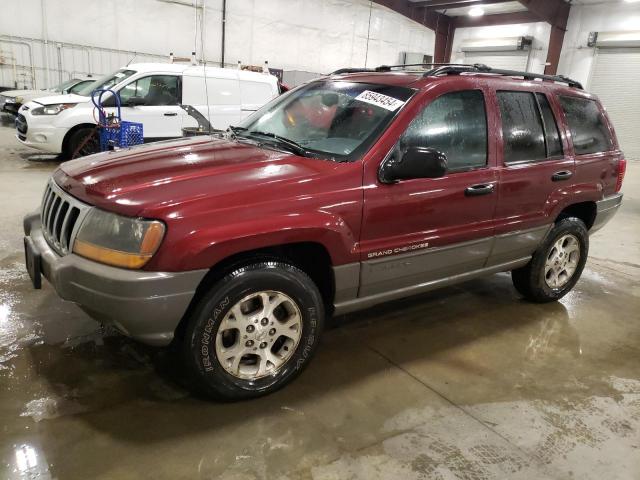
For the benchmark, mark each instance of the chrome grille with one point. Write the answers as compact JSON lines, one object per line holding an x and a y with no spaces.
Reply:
{"x":61,"y":215}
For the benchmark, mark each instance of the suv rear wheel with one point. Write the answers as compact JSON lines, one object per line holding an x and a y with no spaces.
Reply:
{"x":557,"y":265}
{"x":254,"y":331}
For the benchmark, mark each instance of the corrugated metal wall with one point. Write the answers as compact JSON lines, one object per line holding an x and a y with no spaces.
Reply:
{"x":32,"y":63}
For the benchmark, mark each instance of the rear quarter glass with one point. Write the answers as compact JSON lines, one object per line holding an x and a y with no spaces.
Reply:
{"x":594,"y":142}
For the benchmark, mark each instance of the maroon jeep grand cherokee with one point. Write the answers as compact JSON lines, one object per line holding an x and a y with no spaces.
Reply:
{"x":341,"y":194}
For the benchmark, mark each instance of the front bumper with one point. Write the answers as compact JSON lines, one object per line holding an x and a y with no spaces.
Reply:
{"x":606,"y":209}
{"x":38,"y":132}
{"x":146,"y":306}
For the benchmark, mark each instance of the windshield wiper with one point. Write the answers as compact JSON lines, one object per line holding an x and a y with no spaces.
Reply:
{"x":282,"y":141}
{"x":235,"y":130}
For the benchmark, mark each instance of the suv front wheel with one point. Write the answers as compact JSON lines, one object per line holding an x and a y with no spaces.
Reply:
{"x":557,"y":265}
{"x":254,"y":331}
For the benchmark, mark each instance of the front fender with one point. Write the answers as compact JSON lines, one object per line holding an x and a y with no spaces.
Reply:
{"x":206,"y":247}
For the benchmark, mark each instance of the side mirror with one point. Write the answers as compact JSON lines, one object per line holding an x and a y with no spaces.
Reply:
{"x":414,"y":162}
{"x":136,"y":101}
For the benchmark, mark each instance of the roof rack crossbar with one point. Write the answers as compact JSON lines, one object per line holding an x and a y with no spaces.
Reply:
{"x":481,"y":68}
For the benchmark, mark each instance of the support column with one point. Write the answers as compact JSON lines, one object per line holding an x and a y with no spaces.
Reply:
{"x":556,"y":37}
{"x":444,"y":39}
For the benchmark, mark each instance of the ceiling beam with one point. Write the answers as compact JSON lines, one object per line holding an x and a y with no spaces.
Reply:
{"x":441,"y":25}
{"x":441,"y":4}
{"x":497,"y":19}
{"x":430,"y":19}
{"x":554,"y":12}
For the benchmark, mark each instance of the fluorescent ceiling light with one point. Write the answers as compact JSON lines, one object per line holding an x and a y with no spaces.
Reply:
{"x":478,"y":11}
{"x":632,"y":1}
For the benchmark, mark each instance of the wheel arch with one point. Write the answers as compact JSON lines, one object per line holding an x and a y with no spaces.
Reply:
{"x":313,"y":258}
{"x":72,"y":130}
{"x":585,"y":211}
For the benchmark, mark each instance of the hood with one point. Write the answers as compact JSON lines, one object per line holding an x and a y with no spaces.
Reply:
{"x":22,"y":93}
{"x":55,"y":98}
{"x":27,"y":97}
{"x":155,"y":180}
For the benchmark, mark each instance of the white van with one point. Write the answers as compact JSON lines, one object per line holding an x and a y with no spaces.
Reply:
{"x":165,"y":98}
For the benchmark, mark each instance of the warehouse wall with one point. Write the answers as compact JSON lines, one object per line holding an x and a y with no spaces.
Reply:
{"x":539,"y":31}
{"x":308,"y":35}
{"x":576,"y":58}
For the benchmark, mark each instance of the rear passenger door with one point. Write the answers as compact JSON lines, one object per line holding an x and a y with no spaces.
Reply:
{"x":426,"y":229}
{"x":535,"y":172}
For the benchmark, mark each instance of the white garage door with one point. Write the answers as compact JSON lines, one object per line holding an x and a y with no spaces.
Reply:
{"x":615,"y":78}
{"x":506,"y":60}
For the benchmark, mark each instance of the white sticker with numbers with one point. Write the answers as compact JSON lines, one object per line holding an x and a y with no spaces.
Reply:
{"x":380,"y":100}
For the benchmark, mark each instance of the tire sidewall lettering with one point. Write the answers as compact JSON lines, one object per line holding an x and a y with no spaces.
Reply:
{"x":207,"y":336}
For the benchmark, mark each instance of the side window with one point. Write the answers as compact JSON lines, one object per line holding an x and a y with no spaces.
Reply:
{"x":454,"y":124}
{"x":554,"y":145}
{"x":589,"y":130}
{"x":155,"y":89}
{"x":522,"y":130}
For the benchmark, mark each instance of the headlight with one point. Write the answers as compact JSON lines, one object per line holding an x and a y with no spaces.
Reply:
{"x":54,"y":109}
{"x":116,"y":240}
{"x":18,"y":100}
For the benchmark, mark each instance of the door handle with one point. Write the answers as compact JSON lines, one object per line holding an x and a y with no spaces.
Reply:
{"x":170,"y":114}
{"x":561,"y":175}
{"x":480,"y":189}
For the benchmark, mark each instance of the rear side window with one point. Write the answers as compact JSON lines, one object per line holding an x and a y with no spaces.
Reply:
{"x":589,"y":130}
{"x":552,"y":136}
{"x":454,"y":124}
{"x":522,"y":129}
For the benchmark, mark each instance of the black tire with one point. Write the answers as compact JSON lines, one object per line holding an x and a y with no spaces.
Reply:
{"x":530,"y":280}
{"x":199,"y":343}
{"x":84,"y":141}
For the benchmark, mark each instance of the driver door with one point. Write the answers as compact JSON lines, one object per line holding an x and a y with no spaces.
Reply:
{"x":425,"y":229}
{"x":157,"y":105}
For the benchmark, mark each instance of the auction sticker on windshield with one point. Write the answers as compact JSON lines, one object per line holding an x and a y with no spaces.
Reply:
{"x":380,"y":100}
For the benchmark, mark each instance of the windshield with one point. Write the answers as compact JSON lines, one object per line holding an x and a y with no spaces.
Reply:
{"x":79,"y":86}
{"x":107,"y":81}
{"x":63,"y":86}
{"x":330,"y":119}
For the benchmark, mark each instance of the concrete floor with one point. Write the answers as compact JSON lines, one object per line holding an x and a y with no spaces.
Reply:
{"x":468,"y":382}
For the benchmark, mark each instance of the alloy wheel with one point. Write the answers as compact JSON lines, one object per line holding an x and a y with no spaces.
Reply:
{"x":258,"y":335}
{"x":562,"y":261}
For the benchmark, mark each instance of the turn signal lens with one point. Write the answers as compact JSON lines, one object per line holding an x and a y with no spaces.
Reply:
{"x":116,"y":240}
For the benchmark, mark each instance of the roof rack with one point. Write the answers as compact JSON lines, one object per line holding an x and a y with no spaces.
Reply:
{"x":458,"y":68}
{"x":388,"y":68}
{"x":452,"y":69}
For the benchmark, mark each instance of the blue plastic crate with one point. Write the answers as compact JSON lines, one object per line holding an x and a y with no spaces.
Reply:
{"x":114,"y":132}
{"x":124,"y":134}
